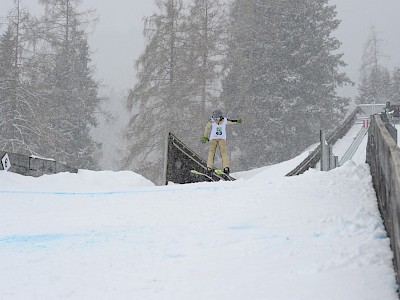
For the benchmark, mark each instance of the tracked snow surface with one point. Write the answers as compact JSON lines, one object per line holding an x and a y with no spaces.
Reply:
{"x":114,"y":235}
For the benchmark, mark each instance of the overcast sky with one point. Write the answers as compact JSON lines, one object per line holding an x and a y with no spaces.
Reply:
{"x":117,"y":40}
{"x":358,"y":16}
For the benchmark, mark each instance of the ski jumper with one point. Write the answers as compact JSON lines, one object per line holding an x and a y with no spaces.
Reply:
{"x":216,"y":131}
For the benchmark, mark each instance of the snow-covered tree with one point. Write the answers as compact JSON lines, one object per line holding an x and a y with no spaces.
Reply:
{"x":206,"y":31}
{"x":283,"y":68}
{"x":18,"y":104}
{"x":8,"y":86}
{"x":375,"y":78}
{"x":157,"y":99}
{"x":375,"y":86}
{"x":47,"y":95}
{"x":70,"y":91}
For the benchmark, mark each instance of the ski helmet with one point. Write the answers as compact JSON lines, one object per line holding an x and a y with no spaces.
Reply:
{"x":217,"y":113}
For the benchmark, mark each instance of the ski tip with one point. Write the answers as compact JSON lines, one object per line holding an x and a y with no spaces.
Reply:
{"x":219,"y":172}
{"x":195,"y":172}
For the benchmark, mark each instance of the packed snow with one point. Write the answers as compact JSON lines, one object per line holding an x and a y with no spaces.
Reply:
{"x":114,"y":235}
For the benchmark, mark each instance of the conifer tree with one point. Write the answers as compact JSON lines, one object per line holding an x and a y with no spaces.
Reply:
{"x":71,"y":92}
{"x":179,"y":76}
{"x":375,"y":78}
{"x":8,"y":80}
{"x":156,"y":100}
{"x":206,"y":44}
{"x":47,"y":92}
{"x":19,"y":106}
{"x":282,"y":73}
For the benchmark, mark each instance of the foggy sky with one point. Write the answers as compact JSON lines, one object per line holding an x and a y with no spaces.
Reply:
{"x":118,"y":41}
{"x":358,"y":16}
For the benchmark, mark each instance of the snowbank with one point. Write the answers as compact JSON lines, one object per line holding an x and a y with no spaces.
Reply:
{"x":83,"y":181}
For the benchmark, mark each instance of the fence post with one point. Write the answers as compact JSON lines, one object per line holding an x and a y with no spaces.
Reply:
{"x":328,"y":160}
{"x":324,"y":152}
{"x":331,"y":158}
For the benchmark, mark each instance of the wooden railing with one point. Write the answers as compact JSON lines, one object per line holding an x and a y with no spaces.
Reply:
{"x":383,"y":156}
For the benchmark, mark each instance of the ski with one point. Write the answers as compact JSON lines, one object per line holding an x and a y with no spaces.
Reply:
{"x":218,"y":172}
{"x":201,"y":174}
{"x":221,"y":173}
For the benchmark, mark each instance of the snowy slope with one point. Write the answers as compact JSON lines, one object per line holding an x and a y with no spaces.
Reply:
{"x":105,"y":235}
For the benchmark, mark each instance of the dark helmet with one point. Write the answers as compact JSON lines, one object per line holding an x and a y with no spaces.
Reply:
{"x":217,"y":113}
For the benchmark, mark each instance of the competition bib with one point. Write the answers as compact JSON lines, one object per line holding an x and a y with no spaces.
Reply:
{"x":218,"y":131}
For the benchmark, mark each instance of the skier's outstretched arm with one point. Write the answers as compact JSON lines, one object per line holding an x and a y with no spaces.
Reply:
{"x":234,"y":121}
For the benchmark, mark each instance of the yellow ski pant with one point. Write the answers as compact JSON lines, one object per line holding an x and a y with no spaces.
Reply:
{"x":223,"y":150}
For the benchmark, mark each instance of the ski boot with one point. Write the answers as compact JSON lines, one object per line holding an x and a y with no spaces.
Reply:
{"x":226,"y":170}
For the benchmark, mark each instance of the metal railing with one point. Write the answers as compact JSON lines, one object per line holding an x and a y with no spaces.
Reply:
{"x":311,"y":160}
{"x":354,"y":146}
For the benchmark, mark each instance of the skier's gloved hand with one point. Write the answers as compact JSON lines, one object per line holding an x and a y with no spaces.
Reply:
{"x":204,"y":139}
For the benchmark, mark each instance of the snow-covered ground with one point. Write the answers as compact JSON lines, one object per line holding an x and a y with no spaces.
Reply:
{"x":114,"y":235}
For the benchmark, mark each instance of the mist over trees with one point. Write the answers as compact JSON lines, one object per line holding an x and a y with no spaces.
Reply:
{"x":274,"y":64}
{"x":48,"y":97}
{"x":377,"y":83}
